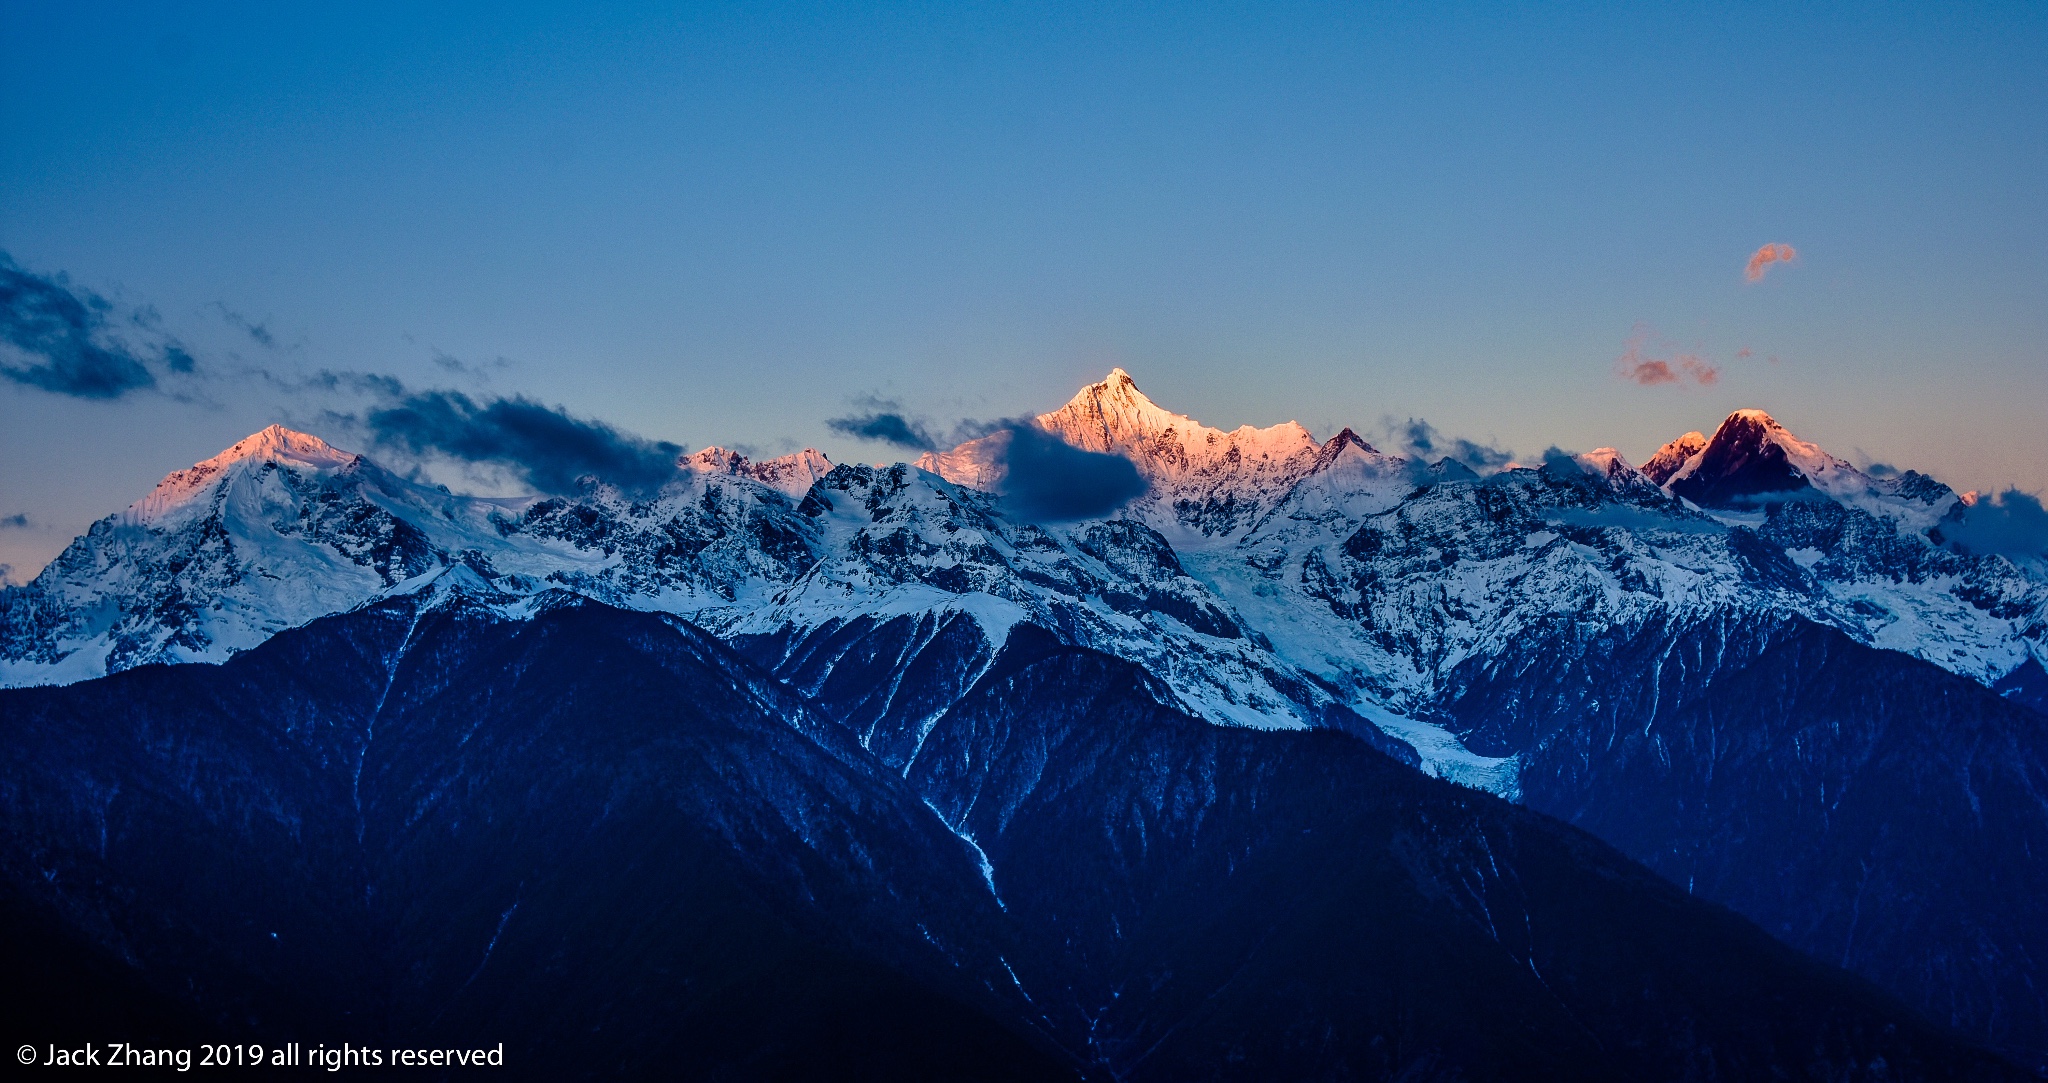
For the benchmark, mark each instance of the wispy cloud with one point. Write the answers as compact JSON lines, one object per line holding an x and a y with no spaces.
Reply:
{"x":1418,"y":439}
{"x":544,"y":446}
{"x":475,"y":372}
{"x":258,"y":333}
{"x":17,"y":521}
{"x":59,"y":338}
{"x":1760,"y":261}
{"x":887,"y":426}
{"x":1679,"y":368}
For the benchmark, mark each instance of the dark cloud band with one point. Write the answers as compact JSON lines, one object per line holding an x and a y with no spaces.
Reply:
{"x":1419,"y":439}
{"x":59,"y":341}
{"x":886,"y":428}
{"x":544,"y":446}
{"x":2010,"y":524}
{"x":1047,"y":479}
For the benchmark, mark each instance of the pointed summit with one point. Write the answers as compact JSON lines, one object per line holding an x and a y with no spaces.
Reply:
{"x":275,"y":442}
{"x":1112,"y":415}
{"x":1673,"y":455}
{"x":272,"y":444}
{"x":1750,"y":459}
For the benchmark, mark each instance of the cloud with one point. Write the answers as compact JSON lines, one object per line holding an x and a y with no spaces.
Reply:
{"x":1418,"y":439}
{"x":544,"y":446}
{"x":2011,"y":523}
{"x":1761,"y":260}
{"x":61,"y":343}
{"x":258,"y":332}
{"x":887,"y":427}
{"x":478,"y":372}
{"x":7,"y":578}
{"x":1047,"y":479}
{"x":1634,"y":364}
{"x":1559,"y":461}
{"x":17,"y":521}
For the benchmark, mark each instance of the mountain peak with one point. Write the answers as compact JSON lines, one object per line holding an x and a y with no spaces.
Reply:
{"x":1192,"y":468}
{"x":791,"y":474}
{"x":1672,"y":456}
{"x":274,"y":441}
{"x":1112,"y":415}
{"x":1114,"y":399}
{"x":1750,"y":456}
{"x":272,"y":444}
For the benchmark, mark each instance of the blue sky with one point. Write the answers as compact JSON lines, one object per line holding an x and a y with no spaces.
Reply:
{"x":718,"y":224}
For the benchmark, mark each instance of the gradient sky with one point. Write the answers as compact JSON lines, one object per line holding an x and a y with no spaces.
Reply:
{"x":725,"y":224}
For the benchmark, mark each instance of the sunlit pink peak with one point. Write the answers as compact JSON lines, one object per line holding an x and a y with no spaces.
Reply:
{"x":274,"y":444}
{"x":1743,"y":435}
{"x":1755,"y":424}
{"x":715,"y":460}
{"x":1673,"y":455}
{"x":1608,"y":464}
{"x":1606,"y":460}
{"x":1113,"y":415}
{"x":792,"y":474}
{"x":1754,"y":416}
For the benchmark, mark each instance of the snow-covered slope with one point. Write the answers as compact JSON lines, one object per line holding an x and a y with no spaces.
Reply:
{"x":282,"y":528}
{"x":1592,"y":638}
{"x":1203,"y":480}
{"x":1269,"y":579}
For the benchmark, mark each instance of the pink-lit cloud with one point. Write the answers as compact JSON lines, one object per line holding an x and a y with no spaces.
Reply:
{"x":1635,"y":364}
{"x":1765,"y":256}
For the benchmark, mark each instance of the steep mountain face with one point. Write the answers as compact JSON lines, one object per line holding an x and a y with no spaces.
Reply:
{"x":1871,"y":808}
{"x":282,"y":528}
{"x":898,"y":542}
{"x":605,"y":840}
{"x":1673,"y":455}
{"x":1750,"y":458}
{"x":425,"y":822}
{"x":274,"y":531}
{"x":1552,"y":634}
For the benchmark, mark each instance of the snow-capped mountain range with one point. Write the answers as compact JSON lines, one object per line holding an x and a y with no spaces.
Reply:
{"x":1271,"y":580}
{"x":1719,"y":662}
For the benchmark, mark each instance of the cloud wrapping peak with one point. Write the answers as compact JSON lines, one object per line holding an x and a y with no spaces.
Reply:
{"x":1418,"y":439}
{"x":2011,"y":524}
{"x":1761,"y":260}
{"x":60,"y":342}
{"x":1047,"y":479}
{"x":544,"y":446}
